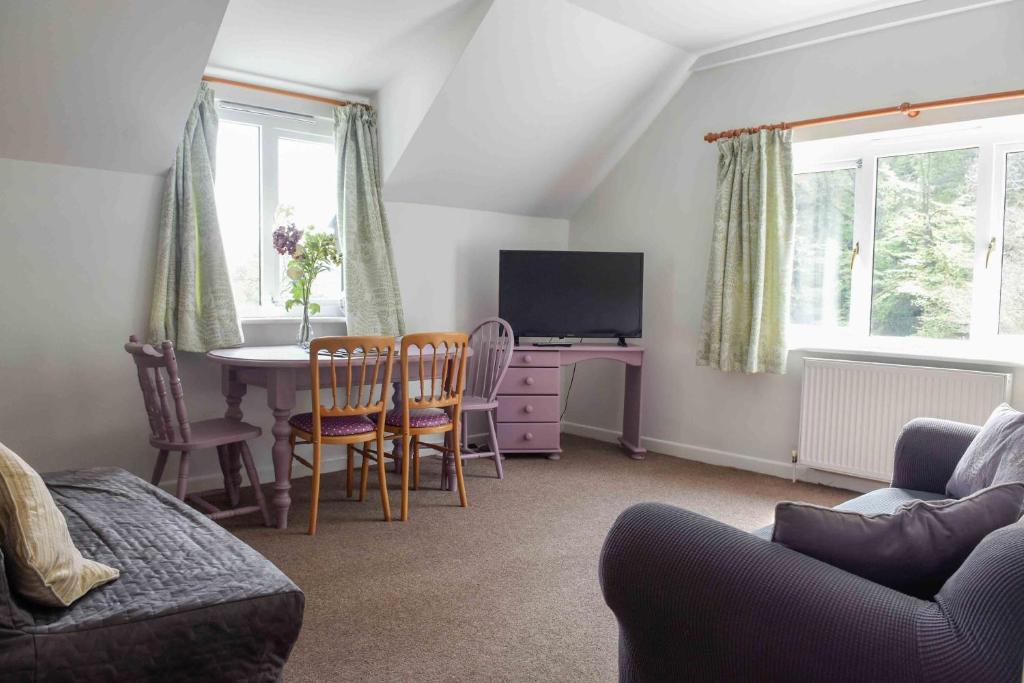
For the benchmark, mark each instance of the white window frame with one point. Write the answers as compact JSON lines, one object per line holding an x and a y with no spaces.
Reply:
{"x":994,"y":139}
{"x":273,"y":128}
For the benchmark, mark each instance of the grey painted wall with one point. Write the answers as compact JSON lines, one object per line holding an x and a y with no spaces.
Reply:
{"x":659,"y":200}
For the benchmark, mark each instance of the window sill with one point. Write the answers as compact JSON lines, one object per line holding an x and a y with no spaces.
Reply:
{"x":935,"y":350}
{"x":289,"y":319}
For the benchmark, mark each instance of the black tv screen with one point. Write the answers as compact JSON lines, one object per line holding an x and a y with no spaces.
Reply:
{"x":571,"y":293}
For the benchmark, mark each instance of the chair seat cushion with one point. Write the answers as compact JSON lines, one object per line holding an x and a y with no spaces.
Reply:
{"x":418,"y":419}
{"x":333,"y":425}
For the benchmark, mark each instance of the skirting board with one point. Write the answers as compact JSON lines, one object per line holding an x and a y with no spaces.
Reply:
{"x":737,"y":461}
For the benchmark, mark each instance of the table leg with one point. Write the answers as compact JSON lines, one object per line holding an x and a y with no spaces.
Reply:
{"x":631,"y":410}
{"x":231,"y":465}
{"x":281,"y":400}
{"x":233,"y":391}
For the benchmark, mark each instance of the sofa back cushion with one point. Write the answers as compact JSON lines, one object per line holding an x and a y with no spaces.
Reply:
{"x":995,"y":456}
{"x":913,"y":550}
{"x":42,"y":561}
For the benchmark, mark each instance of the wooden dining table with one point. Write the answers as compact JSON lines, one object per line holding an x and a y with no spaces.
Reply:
{"x":283,"y":371}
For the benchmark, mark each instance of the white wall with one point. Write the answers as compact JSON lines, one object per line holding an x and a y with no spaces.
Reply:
{"x":659,"y":200}
{"x":448,"y":259}
{"x":77,"y":257}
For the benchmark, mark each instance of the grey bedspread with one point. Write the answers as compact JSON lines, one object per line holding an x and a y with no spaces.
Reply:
{"x":192,"y":602}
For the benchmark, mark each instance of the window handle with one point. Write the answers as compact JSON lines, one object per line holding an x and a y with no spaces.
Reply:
{"x":854,"y":253}
{"x":988,"y":253}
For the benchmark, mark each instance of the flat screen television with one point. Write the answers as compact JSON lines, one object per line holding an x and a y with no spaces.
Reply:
{"x":595,"y":294}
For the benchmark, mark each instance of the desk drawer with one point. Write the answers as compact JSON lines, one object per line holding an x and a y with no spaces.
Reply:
{"x":535,"y":359}
{"x":530,"y":381}
{"x":529,"y":436}
{"x":528,"y":409}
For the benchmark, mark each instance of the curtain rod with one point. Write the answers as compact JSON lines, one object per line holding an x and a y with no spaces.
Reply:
{"x":910,"y":110}
{"x":287,"y":93}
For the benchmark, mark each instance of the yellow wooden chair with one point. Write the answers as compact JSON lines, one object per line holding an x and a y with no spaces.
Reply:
{"x":438,"y":371}
{"x":364,"y":363}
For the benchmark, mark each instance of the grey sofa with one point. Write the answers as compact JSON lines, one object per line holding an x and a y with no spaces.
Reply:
{"x":697,"y":600}
{"x":192,"y":602}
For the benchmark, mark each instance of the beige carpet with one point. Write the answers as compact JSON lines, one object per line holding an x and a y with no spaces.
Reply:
{"x":505,"y":590}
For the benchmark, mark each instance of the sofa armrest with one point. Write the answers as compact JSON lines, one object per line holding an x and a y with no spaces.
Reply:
{"x":699,"y":600}
{"x":927,"y":452}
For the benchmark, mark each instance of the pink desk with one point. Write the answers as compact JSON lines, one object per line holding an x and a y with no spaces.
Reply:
{"x":528,"y":398}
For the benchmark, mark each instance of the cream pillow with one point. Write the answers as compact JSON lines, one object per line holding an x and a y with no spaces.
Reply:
{"x":44,"y":564}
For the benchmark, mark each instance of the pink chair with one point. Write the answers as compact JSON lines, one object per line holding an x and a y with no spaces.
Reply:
{"x":228,"y":436}
{"x":492,"y":343}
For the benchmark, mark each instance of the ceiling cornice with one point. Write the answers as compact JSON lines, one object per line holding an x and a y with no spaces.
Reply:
{"x":878,"y":20}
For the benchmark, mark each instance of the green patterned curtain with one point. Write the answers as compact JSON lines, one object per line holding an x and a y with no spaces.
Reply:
{"x":373,"y":300}
{"x":746,"y":304}
{"x":193,"y":305}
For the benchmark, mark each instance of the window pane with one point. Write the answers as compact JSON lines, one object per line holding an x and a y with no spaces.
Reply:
{"x":822,"y":241}
{"x":925,"y":211}
{"x":1011,"y":295}
{"x":306,"y":184}
{"x":238,"y":208}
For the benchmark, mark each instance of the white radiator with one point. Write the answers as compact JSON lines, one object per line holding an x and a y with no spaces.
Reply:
{"x":851,"y":412}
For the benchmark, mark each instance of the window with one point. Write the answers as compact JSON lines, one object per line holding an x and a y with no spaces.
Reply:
{"x":268,"y":166}
{"x":910,"y":235}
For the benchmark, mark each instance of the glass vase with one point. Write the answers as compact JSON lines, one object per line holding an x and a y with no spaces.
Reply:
{"x":305,"y":334}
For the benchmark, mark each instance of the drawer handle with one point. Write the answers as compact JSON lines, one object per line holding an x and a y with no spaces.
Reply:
{"x":528,"y":436}
{"x":528,"y":408}
{"x":528,"y":381}
{"x":527,"y":358}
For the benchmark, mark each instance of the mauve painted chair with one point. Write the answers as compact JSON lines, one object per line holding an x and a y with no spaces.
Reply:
{"x":492,"y":343}
{"x":228,"y":436}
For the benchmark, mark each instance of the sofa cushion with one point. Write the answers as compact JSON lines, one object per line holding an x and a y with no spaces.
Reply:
{"x":44,"y":564}
{"x":913,"y":550}
{"x":886,"y":501}
{"x":1001,"y":440}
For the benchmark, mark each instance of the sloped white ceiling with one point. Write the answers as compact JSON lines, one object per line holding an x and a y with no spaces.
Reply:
{"x":101,"y":84}
{"x":352,"y":46}
{"x":539,"y":87}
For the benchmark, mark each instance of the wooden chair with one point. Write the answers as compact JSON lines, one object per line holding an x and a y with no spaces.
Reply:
{"x":434,"y":411}
{"x":492,"y":343}
{"x":366,"y":364}
{"x":228,"y":436}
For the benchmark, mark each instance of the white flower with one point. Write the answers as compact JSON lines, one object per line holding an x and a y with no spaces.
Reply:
{"x":294,"y":272}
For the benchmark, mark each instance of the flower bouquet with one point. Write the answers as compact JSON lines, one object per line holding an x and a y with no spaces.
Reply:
{"x":311,"y":253}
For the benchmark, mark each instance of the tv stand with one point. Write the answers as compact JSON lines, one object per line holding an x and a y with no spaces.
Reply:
{"x":529,"y":397}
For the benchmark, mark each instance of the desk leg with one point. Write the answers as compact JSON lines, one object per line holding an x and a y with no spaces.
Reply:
{"x":631,"y":408}
{"x":281,"y":400}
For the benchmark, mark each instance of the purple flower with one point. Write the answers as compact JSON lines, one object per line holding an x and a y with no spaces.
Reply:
{"x":286,"y":238}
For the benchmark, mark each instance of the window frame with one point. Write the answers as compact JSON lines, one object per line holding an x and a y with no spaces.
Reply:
{"x":273,"y":128}
{"x":994,"y":139}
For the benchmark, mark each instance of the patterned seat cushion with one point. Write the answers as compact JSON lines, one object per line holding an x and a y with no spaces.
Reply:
{"x":333,"y":426}
{"x":426,"y":417}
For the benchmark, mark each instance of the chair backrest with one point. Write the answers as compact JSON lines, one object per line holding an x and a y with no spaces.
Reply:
{"x":437,"y":370}
{"x":492,"y":343}
{"x":365,"y":363}
{"x":151,"y":365}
